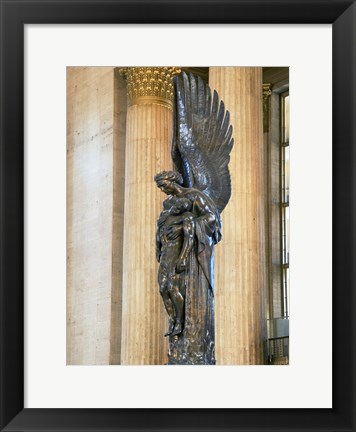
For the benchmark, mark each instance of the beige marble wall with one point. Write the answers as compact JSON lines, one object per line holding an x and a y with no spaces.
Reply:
{"x":240,"y":266}
{"x":95,"y":159}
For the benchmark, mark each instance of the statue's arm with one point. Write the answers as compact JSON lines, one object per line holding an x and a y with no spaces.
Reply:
{"x":175,"y":228}
{"x":177,"y":220}
{"x":203,"y":210}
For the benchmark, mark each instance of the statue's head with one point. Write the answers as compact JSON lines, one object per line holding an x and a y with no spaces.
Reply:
{"x":168,"y":180}
{"x":177,"y":206}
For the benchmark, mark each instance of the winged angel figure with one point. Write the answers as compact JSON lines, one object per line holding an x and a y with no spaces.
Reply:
{"x":190,"y":225}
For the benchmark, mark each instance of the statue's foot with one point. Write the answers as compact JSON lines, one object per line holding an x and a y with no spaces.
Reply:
{"x":171,"y":327}
{"x":178,"y":328}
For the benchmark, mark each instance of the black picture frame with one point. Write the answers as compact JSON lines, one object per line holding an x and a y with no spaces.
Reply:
{"x":14,"y":14}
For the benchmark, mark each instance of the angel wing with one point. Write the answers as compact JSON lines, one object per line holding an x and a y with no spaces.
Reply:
{"x":202,"y":139}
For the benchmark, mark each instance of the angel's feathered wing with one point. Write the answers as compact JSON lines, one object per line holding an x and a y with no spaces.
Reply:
{"x":202,"y":139}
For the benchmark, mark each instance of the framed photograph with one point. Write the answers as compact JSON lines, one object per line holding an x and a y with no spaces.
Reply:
{"x":65,"y":66}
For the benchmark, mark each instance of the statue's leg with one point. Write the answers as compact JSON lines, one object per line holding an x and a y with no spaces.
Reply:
{"x":188,"y":232}
{"x":164,"y":291}
{"x":178,"y":302}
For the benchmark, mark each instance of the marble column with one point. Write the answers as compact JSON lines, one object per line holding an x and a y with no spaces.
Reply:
{"x":148,"y":144}
{"x":96,"y":116}
{"x":240,"y":272}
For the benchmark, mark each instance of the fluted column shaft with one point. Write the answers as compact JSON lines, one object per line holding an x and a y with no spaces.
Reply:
{"x":148,"y":142}
{"x":240,"y":273}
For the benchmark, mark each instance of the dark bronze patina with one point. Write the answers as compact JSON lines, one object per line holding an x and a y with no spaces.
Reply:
{"x":190,"y":225}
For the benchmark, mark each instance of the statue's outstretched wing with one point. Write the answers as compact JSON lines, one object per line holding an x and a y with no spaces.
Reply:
{"x":202,"y":139}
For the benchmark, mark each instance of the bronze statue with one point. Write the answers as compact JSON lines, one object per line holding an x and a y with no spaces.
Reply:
{"x":172,"y":248}
{"x":190,"y":224}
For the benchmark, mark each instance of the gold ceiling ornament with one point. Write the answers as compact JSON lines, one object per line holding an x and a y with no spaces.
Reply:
{"x":150,"y":84}
{"x":267,"y":91}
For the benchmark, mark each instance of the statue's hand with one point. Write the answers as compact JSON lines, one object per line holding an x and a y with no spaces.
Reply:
{"x":174,"y":231}
{"x":181,"y":265}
